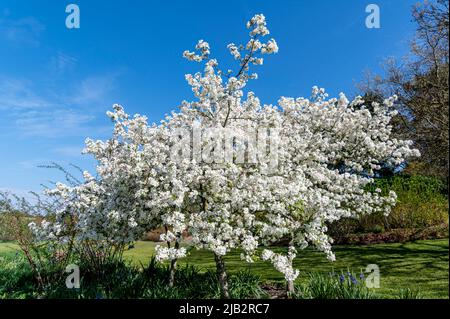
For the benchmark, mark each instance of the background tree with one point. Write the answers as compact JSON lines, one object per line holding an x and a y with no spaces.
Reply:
{"x":421,"y":83}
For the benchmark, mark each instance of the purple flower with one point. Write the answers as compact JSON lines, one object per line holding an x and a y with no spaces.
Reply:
{"x":353,"y":280}
{"x":341,"y":278}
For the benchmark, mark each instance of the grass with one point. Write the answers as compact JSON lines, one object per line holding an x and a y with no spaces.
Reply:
{"x":419,"y":266}
{"x":8,"y":248}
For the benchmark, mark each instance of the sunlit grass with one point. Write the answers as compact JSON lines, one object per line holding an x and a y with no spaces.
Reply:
{"x":421,"y":265}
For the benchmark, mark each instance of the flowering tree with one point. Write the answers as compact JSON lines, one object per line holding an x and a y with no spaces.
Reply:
{"x":226,"y":188}
{"x":323,"y":154}
{"x":236,"y":174}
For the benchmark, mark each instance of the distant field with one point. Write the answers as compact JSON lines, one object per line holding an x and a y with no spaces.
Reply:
{"x":421,"y":265}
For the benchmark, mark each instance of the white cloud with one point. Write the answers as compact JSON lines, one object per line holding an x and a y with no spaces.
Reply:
{"x":54,"y":123}
{"x":18,"y":94}
{"x":93,"y":89}
{"x":40,"y":111}
{"x":23,"y":30}
{"x":62,"y":62}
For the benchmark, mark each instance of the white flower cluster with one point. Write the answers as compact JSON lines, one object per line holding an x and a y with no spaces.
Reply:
{"x":202,"y":47}
{"x":164,"y":253}
{"x":248,"y":54}
{"x":328,"y":151}
{"x":270,"y":47}
{"x":258,"y":25}
{"x":282,"y":263}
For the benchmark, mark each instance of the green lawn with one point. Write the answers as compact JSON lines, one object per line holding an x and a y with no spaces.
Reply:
{"x":8,"y":248}
{"x":421,"y":265}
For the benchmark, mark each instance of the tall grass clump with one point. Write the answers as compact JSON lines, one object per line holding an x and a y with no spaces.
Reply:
{"x":333,"y":286}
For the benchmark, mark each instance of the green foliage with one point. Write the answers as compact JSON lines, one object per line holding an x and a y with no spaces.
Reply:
{"x":243,"y":284}
{"x":407,"y":293}
{"x":121,"y":280}
{"x":414,"y":188}
{"x":12,"y":223}
{"x":422,"y":202}
{"x":16,"y":278}
{"x":333,"y":286}
{"x":344,"y":286}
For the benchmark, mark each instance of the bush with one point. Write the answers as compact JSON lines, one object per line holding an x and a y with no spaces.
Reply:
{"x":422,"y":205}
{"x":400,"y":235}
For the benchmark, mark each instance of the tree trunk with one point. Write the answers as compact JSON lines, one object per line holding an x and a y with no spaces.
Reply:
{"x":222,"y":276}
{"x":173,"y":267}
{"x":290,"y":288}
{"x":290,"y":283}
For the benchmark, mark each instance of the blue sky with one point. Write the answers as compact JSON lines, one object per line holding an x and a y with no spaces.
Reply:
{"x":56,"y":83}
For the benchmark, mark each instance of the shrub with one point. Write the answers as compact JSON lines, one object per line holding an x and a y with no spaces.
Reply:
{"x":422,"y":204}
